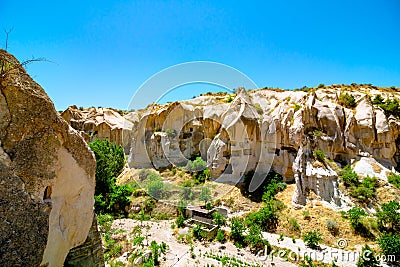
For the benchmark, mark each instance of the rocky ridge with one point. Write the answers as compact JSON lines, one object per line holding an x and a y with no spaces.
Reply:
{"x":275,"y":129}
{"x":46,"y":175}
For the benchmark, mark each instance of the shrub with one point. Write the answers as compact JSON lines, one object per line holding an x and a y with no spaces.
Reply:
{"x":319,"y":155}
{"x":378,"y":100}
{"x":391,"y":107}
{"x":237,"y":229}
{"x":366,"y":189}
{"x":110,"y":160}
{"x":205,"y":195}
{"x":347,"y":100}
{"x":258,"y":108}
{"x":355,"y":215}
{"x":220,"y":236}
{"x":170,"y":132}
{"x":255,"y":239}
{"x":155,"y":186}
{"x":389,"y":217}
{"x":218,"y":219}
{"x":306,"y":214}
{"x":267,"y":217}
{"x":394,"y":179}
{"x":294,"y":225}
{"x":390,"y":245}
{"x":312,"y":239}
{"x":333,"y":227}
{"x":296,"y":107}
{"x":180,"y":220}
{"x":321,"y":85}
{"x":197,"y":165}
{"x":349,"y":176}
{"x":367,"y":258}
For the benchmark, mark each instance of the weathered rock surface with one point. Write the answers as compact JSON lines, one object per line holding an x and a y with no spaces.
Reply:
{"x":46,"y":175}
{"x":274,"y":129}
{"x":100,"y":123}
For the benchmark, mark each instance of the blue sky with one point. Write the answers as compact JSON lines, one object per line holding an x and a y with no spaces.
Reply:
{"x":104,"y":50}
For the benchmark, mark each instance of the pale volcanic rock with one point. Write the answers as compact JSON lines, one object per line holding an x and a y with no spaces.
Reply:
{"x":46,"y":176}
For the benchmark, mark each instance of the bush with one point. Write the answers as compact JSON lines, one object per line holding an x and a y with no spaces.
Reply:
{"x":258,"y":108}
{"x":367,"y":258}
{"x":110,"y":160}
{"x":378,"y":100}
{"x":180,"y":220}
{"x":293,"y":224}
{"x":220,"y":236}
{"x":218,"y":219}
{"x":319,"y":155}
{"x":389,"y":217}
{"x":306,"y":214}
{"x":267,"y":217}
{"x":349,"y":176}
{"x":390,"y":245}
{"x":197,"y":165}
{"x":155,"y":186}
{"x":394,"y":179}
{"x":347,"y":100}
{"x":333,"y":227}
{"x":237,"y":229}
{"x":255,"y":239}
{"x":355,"y":216}
{"x":391,"y":107}
{"x":366,"y":189}
{"x":312,"y":239}
{"x":170,"y":132}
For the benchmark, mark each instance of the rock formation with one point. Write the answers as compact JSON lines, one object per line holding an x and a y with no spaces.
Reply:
{"x":46,"y":175}
{"x":273,"y":129}
{"x":100,"y":123}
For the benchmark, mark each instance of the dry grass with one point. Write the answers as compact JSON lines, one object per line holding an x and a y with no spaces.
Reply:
{"x":319,"y":215}
{"x":376,"y":168}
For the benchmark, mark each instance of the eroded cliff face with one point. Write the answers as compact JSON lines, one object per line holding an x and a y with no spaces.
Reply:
{"x":46,"y":175}
{"x":273,"y":129}
{"x":100,"y":123}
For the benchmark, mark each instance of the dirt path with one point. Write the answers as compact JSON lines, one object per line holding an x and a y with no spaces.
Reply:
{"x":179,"y":254}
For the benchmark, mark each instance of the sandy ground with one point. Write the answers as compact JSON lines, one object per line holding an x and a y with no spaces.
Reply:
{"x":178,"y":254}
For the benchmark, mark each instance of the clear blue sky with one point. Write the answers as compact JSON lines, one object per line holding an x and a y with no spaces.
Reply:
{"x":104,"y":50}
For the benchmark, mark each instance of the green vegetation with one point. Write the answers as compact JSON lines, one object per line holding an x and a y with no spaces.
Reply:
{"x":389,"y":244}
{"x":389,"y":217}
{"x":218,"y":219}
{"x":198,"y":168}
{"x":296,"y":107}
{"x":109,"y":197}
{"x":319,"y":155}
{"x":312,"y":239}
{"x":365,"y":190}
{"x":170,"y":132}
{"x":220,"y":236}
{"x":294,"y":225}
{"x":258,"y":108}
{"x":347,"y":100}
{"x":394,"y":179}
{"x":367,"y":258}
{"x":333,"y":227}
{"x":389,"y":106}
{"x":155,"y":186}
{"x":348,"y":176}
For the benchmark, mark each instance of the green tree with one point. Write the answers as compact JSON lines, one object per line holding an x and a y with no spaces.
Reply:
{"x":205,"y":195}
{"x":254,"y":238}
{"x":218,"y":218}
{"x":237,"y":229}
{"x":389,"y":217}
{"x":312,"y":239}
{"x":349,"y":176}
{"x":110,"y":159}
{"x":390,"y":245}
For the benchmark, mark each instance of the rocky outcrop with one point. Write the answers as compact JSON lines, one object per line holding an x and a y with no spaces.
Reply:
{"x":90,"y":253}
{"x":273,"y":129}
{"x":46,"y":175}
{"x":100,"y":123}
